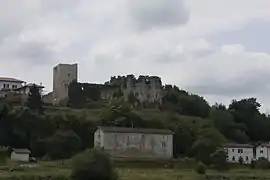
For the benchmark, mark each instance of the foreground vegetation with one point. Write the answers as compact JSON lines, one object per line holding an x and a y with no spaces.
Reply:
{"x":57,"y":170}
{"x":58,"y":133}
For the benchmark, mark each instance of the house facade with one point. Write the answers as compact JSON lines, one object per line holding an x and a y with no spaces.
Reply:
{"x":263,"y":151}
{"x":238,"y":151}
{"x":26,"y":88}
{"x":9,"y":84}
{"x":21,"y":155}
{"x":135,"y":142}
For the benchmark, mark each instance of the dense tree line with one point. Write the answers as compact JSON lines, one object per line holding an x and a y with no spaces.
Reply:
{"x":199,"y":128}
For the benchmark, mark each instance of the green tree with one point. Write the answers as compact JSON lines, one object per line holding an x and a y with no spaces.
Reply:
{"x":93,"y":165}
{"x":200,"y":168}
{"x":76,"y":98}
{"x":209,"y":139}
{"x":184,"y":102}
{"x":116,"y":108}
{"x":224,"y":122}
{"x":5,"y":124}
{"x":34,"y":100}
{"x":63,"y":145}
{"x":219,"y":159}
{"x":184,"y":138}
{"x":246,"y":112}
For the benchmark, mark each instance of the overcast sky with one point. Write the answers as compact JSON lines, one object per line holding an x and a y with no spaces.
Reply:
{"x":219,"y":49}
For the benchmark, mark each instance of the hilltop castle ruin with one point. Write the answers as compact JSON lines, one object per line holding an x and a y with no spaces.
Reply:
{"x":144,"y":89}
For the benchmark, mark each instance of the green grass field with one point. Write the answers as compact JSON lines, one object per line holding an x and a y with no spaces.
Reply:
{"x":130,"y":172}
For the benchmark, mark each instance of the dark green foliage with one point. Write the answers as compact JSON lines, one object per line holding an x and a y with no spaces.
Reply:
{"x":116,"y":108}
{"x":118,"y":93}
{"x":184,"y":138}
{"x":241,"y":160}
{"x":246,"y":112}
{"x":63,"y":144}
{"x":200,"y":168}
{"x":219,"y":159}
{"x":262,"y":163}
{"x":93,"y":165}
{"x":208,"y":140}
{"x":185,"y":103}
{"x":34,"y":100}
{"x":224,"y":122}
{"x":76,"y":97}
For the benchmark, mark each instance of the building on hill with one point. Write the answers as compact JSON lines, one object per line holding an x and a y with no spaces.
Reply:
{"x":145,"y":89}
{"x":135,"y":142}
{"x":16,"y":91}
{"x":24,"y":91}
{"x":9,"y":84}
{"x":263,"y":151}
{"x":63,"y":75}
{"x":21,"y":155}
{"x":237,"y":151}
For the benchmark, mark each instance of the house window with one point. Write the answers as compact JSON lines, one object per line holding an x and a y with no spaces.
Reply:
{"x":163,"y":144}
{"x":68,"y":74}
{"x":232,"y":150}
{"x":261,"y":151}
{"x":143,"y":136}
{"x":164,"y":138}
{"x":7,"y":85}
{"x":233,"y":158}
{"x":240,"y":150}
{"x":246,"y":158}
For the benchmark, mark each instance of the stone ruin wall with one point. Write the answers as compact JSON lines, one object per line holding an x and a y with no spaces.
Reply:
{"x":146,"y":89}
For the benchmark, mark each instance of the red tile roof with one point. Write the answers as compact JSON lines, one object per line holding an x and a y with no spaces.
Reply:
{"x":7,"y":79}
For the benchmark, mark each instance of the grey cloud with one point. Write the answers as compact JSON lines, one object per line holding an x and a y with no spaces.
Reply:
{"x":149,"y":14}
{"x":253,"y":38}
{"x":253,"y":82}
{"x":34,"y":53}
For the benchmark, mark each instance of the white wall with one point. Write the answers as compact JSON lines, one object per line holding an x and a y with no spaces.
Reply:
{"x":234,"y":153}
{"x":19,"y":157}
{"x":18,"y":84}
{"x":26,"y":90}
{"x":137,"y":145}
{"x":262,"y":152}
{"x":99,"y":138}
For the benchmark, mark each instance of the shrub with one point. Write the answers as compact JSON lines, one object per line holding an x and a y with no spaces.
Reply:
{"x":241,"y":160}
{"x":200,"y":169}
{"x":92,"y":165}
{"x":252,"y":164}
{"x":219,"y":159}
{"x":262,"y":163}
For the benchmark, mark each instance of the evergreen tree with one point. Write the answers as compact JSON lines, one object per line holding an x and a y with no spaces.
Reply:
{"x":34,"y":101}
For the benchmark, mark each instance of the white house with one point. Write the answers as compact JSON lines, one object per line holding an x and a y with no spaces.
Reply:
{"x":10,"y":83}
{"x":263,"y":151}
{"x":135,"y":142}
{"x":236,"y":151}
{"x":21,"y":155}
{"x":26,"y":88}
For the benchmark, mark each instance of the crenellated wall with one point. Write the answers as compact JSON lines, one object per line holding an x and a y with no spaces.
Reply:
{"x":146,"y":89}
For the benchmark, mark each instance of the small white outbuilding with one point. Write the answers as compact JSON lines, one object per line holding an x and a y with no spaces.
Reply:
{"x":21,"y":155}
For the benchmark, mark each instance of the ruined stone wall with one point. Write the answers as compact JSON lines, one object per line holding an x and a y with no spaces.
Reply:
{"x":146,"y":89}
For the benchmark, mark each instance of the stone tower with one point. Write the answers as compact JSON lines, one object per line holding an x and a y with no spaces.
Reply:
{"x":63,"y":75}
